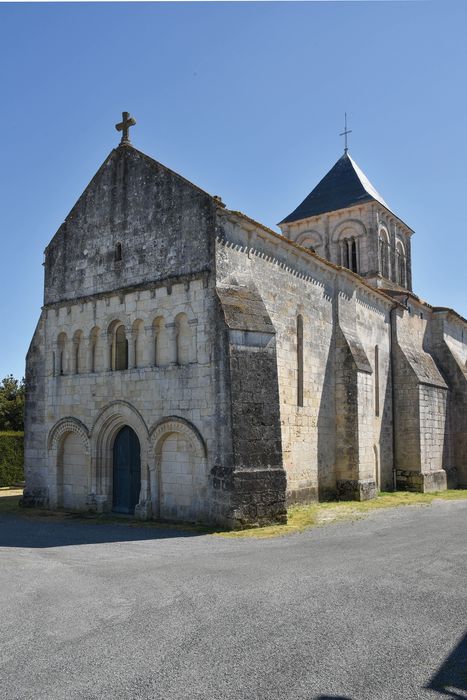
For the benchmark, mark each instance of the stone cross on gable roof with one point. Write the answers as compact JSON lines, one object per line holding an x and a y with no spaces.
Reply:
{"x":124,"y":127}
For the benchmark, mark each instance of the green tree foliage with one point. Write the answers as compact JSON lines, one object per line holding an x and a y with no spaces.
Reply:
{"x":12,"y":403}
{"x":11,"y":458}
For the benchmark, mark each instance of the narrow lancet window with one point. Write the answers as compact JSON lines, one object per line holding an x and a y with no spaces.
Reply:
{"x":353,"y":256}
{"x":376,"y":375}
{"x":121,"y":349}
{"x":118,"y":252}
{"x":299,"y":360}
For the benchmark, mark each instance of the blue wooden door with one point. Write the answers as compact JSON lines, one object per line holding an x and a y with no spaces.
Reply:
{"x":126,"y":471}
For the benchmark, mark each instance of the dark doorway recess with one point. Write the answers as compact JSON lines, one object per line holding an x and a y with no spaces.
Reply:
{"x":126,"y":471}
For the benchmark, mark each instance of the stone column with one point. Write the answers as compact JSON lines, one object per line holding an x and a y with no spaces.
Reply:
{"x":131,"y":335}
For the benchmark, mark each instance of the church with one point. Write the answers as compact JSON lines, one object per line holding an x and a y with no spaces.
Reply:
{"x":192,"y":364}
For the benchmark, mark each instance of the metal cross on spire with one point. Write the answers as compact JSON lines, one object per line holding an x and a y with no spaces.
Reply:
{"x":345,"y":132}
{"x":124,"y":126}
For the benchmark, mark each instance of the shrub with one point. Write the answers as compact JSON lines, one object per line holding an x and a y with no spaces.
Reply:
{"x":11,"y":458}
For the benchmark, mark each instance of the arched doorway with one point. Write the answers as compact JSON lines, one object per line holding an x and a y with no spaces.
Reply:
{"x":126,"y":471}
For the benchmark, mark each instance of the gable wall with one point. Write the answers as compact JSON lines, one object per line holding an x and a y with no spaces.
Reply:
{"x":163,"y":223}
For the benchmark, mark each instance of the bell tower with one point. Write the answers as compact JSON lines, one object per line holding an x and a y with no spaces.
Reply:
{"x":345,"y":220}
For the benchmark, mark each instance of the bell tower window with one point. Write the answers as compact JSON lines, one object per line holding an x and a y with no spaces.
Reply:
{"x":384,"y":254}
{"x":401,"y":273}
{"x":349,"y":254}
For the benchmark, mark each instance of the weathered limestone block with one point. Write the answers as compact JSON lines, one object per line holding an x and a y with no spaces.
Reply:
{"x":354,"y":408}
{"x":356,"y":489}
{"x":258,"y":483}
{"x":420,"y":411}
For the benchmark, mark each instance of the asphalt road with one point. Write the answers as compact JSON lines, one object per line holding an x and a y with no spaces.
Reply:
{"x":372,"y":609}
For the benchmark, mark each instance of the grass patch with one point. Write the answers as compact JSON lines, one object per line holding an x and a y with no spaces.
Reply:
{"x":304,"y":517}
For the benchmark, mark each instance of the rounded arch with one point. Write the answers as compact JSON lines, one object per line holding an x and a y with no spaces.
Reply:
{"x":401,"y":263}
{"x":117,"y":344}
{"x":384,"y":252}
{"x":400,"y":248}
{"x":176,"y":424}
{"x":78,"y":335}
{"x":348,"y":227}
{"x":62,"y":352}
{"x":158,"y":321}
{"x":121,"y":413}
{"x":65,"y":426}
{"x":111,"y":419}
{"x":112,"y":324}
{"x":70,"y":463}
{"x":383,"y":234}
{"x":310,"y":239}
{"x":179,"y":474}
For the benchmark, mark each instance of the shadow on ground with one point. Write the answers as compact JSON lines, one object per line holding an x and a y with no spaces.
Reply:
{"x":43,"y":532}
{"x":451,"y":678}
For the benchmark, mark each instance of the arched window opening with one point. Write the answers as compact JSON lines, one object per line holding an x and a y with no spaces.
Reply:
{"x":311,"y":240}
{"x":376,"y":375}
{"x":349,"y":254}
{"x":400,"y":265}
{"x":384,"y":255}
{"x":161,"y":343}
{"x":118,"y":252}
{"x":345,"y":254}
{"x":118,"y":346}
{"x":184,"y":339}
{"x":353,"y":255}
{"x":121,"y":349}
{"x":61,"y":350}
{"x":299,"y":360}
{"x":78,"y":364}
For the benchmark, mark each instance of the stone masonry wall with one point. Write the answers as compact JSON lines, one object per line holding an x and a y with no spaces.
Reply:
{"x":35,"y":459}
{"x":291,"y":284}
{"x":449,"y":335}
{"x":162,"y":222}
{"x":154,"y":393}
{"x":364,"y":223}
{"x":421,"y":421}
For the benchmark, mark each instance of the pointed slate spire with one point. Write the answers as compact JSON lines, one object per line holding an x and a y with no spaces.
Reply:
{"x":344,"y":186}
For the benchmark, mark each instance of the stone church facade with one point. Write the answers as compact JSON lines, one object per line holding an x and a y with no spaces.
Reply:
{"x":192,"y":364}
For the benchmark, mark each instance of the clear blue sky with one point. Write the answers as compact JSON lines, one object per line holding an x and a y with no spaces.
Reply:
{"x":244,"y":99}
